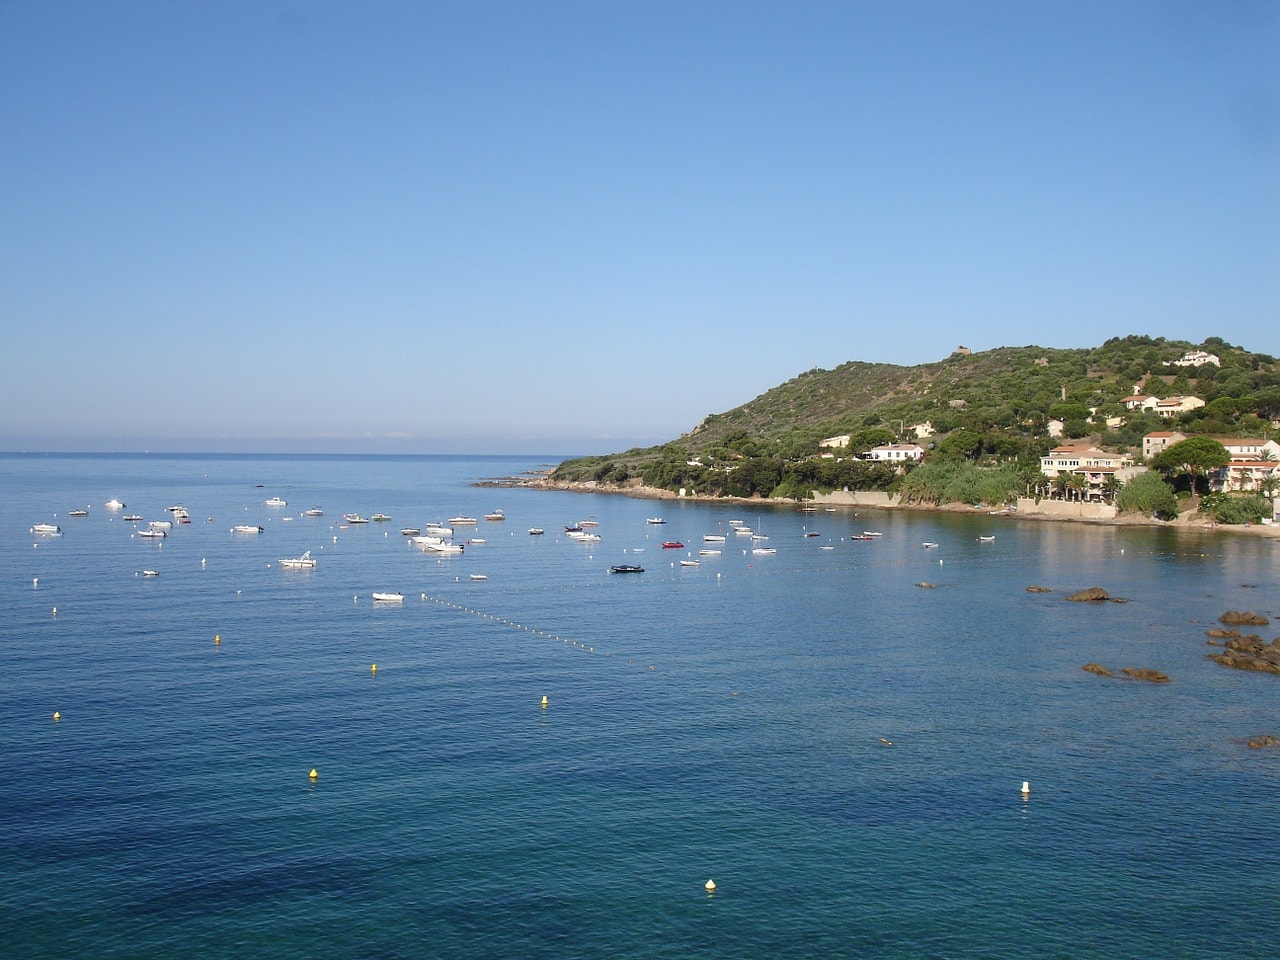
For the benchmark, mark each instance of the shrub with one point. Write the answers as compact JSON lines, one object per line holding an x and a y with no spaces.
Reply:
{"x":1147,"y":493}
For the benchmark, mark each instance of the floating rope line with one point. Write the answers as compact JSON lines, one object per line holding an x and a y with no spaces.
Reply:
{"x":462,"y":608}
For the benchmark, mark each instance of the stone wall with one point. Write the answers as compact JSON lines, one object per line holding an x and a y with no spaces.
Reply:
{"x":858,"y":498}
{"x":1066,"y":510}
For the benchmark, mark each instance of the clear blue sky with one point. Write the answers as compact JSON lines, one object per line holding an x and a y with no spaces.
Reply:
{"x":577,"y":227}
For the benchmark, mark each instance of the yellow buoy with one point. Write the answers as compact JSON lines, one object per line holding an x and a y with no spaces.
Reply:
{"x":217,"y":638}
{"x":544,"y":700}
{"x":56,"y":716}
{"x":709,"y":886}
{"x":313,"y":774}
{"x":374,"y":668}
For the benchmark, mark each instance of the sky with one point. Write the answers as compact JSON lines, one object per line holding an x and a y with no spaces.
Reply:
{"x":509,"y":227}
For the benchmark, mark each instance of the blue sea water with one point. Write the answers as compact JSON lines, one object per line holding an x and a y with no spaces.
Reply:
{"x":724,"y":722}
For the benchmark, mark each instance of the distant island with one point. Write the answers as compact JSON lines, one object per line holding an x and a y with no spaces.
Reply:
{"x":1138,"y":427}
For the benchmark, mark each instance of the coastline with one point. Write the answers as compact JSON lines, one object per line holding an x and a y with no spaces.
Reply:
{"x":1190,"y":521}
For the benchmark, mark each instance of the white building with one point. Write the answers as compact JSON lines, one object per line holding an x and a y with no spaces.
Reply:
{"x":1075,"y":459}
{"x":896,"y":452}
{"x":1194,"y":358}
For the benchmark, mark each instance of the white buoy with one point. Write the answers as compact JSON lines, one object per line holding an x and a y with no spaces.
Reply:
{"x":56,"y":716}
{"x":709,"y":886}
{"x":35,"y":581}
{"x":1026,"y":789}
{"x":55,"y":611}
{"x":544,"y":701}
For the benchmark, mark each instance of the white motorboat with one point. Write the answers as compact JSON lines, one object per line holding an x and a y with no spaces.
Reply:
{"x":928,"y":544}
{"x":495,"y":515}
{"x":457,"y":521}
{"x":114,"y":504}
{"x":478,"y":576}
{"x":79,"y":513}
{"x":151,"y":573}
{"x":131,"y":518}
{"x":441,"y":546}
{"x":313,"y":512}
{"x":990,"y":539}
{"x":161,"y":524}
{"x":388,"y":597}
{"x":655,"y":520}
{"x":380,"y":518}
{"x":47,"y":529}
{"x":536,"y":531}
{"x":304,"y":562}
{"x":274,"y":502}
{"x":713,"y":538}
{"x":410,"y":532}
{"x":708,"y":553}
{"x":354,"y":518}
{"x":246,"y":528}
{"x":690,"y":563}
{"x":764,"y":551}
{"x":438,"y":530}
{"x":152,"y":534}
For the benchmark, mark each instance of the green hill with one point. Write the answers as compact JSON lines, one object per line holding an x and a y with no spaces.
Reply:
{"x":991,"y":407}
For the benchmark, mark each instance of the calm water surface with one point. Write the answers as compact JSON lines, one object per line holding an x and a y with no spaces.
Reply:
{"x":724,"y":721}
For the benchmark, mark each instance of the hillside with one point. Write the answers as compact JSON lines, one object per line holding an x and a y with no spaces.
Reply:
{"x":992,"y":406}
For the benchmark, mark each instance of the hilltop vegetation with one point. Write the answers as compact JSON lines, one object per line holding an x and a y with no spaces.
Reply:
{"x":987,"y":410}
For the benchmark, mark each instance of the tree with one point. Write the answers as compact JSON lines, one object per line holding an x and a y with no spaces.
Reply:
{"x":1195,"y":456}
{"x":1148,"y":494}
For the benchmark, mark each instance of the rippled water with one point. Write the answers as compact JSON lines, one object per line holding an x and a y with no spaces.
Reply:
{"x":715,"y":722}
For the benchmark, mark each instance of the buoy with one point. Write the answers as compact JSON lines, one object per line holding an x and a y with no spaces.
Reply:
{"x":887,"y":743}
{"x":313,"y":774}
{"x":709,"y":886}
{"x":55,"y":611}
{"x":1026,"y":789}
{"x":217,"y":638}
{"x":56,"y":716}
{"x":35,"y":581}
{"x":544,"y":701}
{"x":374,"y":668}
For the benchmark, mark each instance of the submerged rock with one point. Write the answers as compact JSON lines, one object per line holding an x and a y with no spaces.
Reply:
{"x":926,"y":585}
{"x":1090,"y":595}
{"x":1035,"y":589}
{"x":1263,"y":740}
{"x":1098,"y":669}
{"x":1147,"y":674}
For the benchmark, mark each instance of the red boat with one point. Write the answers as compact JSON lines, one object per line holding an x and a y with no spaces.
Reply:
{"x":671,"y":544}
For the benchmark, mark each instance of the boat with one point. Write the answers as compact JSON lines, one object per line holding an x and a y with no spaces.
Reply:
{"x":176,"y":508}
{"x":712,"y":538}
{"x":436,"y":530}
{"x":735,"y":523}
{"x":872,"y":533}
{"x":928,"y":544}
{"x":690,"y":563}
{"x":536,"y":531}
{"x":764,"y":551}
{"x":708,"y":553}
{"x":304,"y":562}
{"x":671,"y":544}
{"x":990,"y":539}
{"x":180,"y":514}
{"x":759,"y":536}
{"x":388,"y":597}
{"x":114,"y":504}
{"x":743,"y":531}
{"x":313,"y":512}
{"x":626,"y":568}
{"x":479,"y":540}
{"x":862,"y":536}
{"x":274,"y":502}
{"x":655,"y":520}
{"x":152,"y":534}
{"x":495,"y":515}
{"x":161,"y":524}
{"x":131,"y":518}
{"x":48,"y":529}
{"x":826,"y":546}
{"x":573,"y":528}
{"x":78,"y":513}
{"x":410,"y":531}
{"x":478,"y":576}
{"x":592,"y":522}
{"x":583,"y":536}
{"x":354,"y":518}
{"x":243,"y":528}
{"x":151,"y":573}
{"x":442,"y":547}
{"x":380,"y":518}
{"x":462,"y":520}
{"x":812,"y":533}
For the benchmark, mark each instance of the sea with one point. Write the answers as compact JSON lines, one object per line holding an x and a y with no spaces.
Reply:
{"x":554,"y":761}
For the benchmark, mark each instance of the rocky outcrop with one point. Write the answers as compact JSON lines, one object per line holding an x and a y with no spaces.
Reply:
{"x":1263,"y":740}
{"x":1035,"y":589}
{"x":1250,"y":652}
{"x":925,"y":585}
{"x":1247,"y":618}
{"x":1093,"y":594}
{"x":1097,"y":668}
